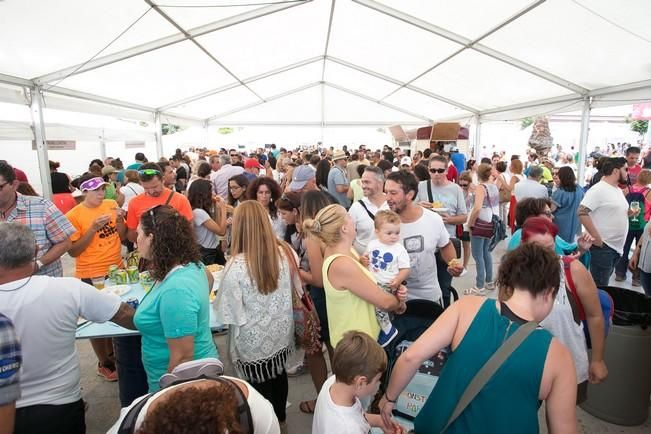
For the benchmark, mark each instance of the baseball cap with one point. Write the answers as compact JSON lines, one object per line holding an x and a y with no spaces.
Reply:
{"x":92,"y":184}
{"x":301,"y":176}
{"x":251,"y":163}
{"x":405,"y":161}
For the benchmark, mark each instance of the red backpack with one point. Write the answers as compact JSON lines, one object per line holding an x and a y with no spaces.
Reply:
{"x":606,"y":301}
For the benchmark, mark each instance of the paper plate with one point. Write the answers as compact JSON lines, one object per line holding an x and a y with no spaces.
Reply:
{"x":118,"y":290}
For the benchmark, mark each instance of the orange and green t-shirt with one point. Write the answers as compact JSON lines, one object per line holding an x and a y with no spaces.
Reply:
{"x":143,"y":202}
{"x":104,"y":249}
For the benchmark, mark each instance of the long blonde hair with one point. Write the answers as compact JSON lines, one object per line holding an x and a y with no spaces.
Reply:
{"x":254,"y":238}
{"x":326,"y":225}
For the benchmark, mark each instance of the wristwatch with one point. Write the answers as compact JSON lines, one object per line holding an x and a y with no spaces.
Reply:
{"x":39,"y":264}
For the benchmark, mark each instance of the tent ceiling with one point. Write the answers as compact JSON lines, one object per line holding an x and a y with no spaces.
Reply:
{"x":329,"y":61}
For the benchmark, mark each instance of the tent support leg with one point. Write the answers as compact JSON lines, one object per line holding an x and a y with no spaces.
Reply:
{"x":159,"y":136}
{"x":476,"y":142}
{"x":38,"y":127}
{"x":583,"y":141}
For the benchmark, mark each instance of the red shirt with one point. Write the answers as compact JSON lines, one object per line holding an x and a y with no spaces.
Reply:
{"x":453,"y":174}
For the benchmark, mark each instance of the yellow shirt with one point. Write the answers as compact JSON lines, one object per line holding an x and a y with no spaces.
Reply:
{"x":104,"y":249}
{"x":346,"y":311}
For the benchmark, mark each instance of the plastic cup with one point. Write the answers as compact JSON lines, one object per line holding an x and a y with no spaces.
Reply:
{"x":98,"y":282}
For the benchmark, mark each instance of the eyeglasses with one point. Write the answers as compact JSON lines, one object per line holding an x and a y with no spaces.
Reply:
{"x":464,"y":185}
{"x":149,"y":172}
{"x":236,"y":187}
{"x":437,"y":170}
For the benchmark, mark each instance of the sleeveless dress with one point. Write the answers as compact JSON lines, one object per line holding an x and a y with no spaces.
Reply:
{"x":346,"y":311}
{"x":508,"y":403}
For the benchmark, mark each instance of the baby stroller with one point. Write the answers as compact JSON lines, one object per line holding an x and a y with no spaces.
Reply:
{"x":419,"y":316}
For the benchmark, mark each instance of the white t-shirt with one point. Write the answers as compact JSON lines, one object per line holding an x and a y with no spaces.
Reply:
{"x":331,"y":418}
{"x":528,"y":188}
{"x":45,"y":313}
{"x":262,"y":412}
{"x":386,"y":260}
{"x":130,"y":191}
{"x":205,"y":237}
{"x":609,"y":213}
{"x":364,"y":226}
{"x":422,"y":239}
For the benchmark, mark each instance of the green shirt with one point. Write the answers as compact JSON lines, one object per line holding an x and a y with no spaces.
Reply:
{"x":177,"y":307}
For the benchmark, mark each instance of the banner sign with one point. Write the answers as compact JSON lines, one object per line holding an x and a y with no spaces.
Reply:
{"x":58,"y":145}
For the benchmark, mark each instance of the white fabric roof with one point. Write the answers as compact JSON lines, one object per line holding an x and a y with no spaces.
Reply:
{"x":326,"y":62}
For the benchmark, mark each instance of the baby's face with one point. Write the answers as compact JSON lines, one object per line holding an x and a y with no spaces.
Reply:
{"x":388,"y":233}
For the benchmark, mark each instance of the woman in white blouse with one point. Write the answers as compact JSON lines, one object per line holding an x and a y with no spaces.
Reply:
{"x":255,"y":300}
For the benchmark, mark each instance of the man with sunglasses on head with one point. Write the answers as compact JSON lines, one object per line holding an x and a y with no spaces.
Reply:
{"x":445,"y":198}
{"x":51,"y":228}
{"x":151,"y":179}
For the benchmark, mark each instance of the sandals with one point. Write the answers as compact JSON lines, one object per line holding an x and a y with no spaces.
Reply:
{"x":307,"y":406}
{"x":474,"y":291}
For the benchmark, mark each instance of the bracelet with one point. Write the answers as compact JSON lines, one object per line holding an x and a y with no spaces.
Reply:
{"x":392,"y":401}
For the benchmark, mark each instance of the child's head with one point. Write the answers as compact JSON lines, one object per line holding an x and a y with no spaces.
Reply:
{"x":360,"y":361}
{"x":387,"y":227}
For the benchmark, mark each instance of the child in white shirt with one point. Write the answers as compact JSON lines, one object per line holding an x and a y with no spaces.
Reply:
{"x":389,"y":263}
{"x":357,"y":365}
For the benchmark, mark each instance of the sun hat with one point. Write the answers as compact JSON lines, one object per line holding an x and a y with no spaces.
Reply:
{"x":107,"y":170}
{"x":338,"y":155}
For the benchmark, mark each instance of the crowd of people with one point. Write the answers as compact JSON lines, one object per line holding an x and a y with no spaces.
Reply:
{"x":361,"y":236}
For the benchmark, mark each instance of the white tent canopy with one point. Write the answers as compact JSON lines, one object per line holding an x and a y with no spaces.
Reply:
{"x":327,"y":62}
{"x":323,"y":63}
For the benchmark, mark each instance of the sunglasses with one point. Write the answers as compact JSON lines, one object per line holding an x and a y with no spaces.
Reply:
{"x":149,"y":172}
{"x":464,"y":185}
{"x":437,"y":170}
{"x":152,"y":212}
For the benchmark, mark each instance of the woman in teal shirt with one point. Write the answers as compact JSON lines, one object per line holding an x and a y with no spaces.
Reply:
{"x":174,"y":316}
{"x":540,"y":369}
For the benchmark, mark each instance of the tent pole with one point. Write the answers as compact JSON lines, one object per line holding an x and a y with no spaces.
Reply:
{"x":159,"y":135}
{"x":583,"y":141}
{"x":102,"y":147}
{"x":477,"y":139}
{"x":206,"y":133}
{"x":38,"y":127}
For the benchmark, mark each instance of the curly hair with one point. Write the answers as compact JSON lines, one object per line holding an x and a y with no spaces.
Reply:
{"x":174,"y":240}
{"x":274,"y":188}
{"x":194,"y":410}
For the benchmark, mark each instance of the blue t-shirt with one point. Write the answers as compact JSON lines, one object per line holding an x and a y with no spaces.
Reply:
{"x":177,"y":307}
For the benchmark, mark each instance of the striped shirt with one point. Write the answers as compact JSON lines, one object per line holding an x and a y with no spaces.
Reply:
{"x":10,"y":361}
{"x":49,"y":225}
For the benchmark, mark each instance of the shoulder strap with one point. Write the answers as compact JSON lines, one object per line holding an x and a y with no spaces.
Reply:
{"x":243,"y":409}
{"x":490,"y":367}
{"x":128,"y":425}
{"x":567,"y":263}
{"x":370,"y":214}
{"x":488,"y":198}
{"x":169,"y":198}
{"x":429,"y":191}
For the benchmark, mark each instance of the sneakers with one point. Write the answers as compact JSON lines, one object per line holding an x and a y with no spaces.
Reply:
{"x":635,"y":282}
{"x":106,"y":373}
{"x":463,"y":272}
{"x":490,"y":286}
{"x":297,"y":370}
{"x":385,"y":338}
{"x":475,"y":291}
{"x":619,"y":278}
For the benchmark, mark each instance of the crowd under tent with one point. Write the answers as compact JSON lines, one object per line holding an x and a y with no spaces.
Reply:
{"x":317,"y":63}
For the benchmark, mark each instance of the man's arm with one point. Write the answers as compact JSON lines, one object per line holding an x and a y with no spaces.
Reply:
{"x":56,"y":251}
{"x":588,"y":224}
{"x":124,"y":316}
{"x":7,"y":415}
